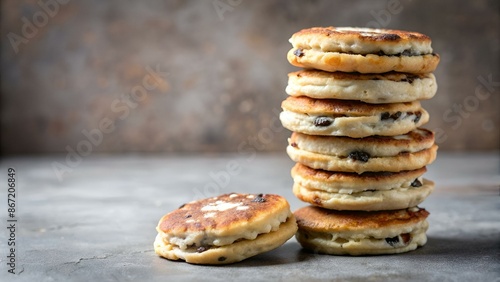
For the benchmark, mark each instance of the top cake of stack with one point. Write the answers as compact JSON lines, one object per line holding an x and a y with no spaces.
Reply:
{"x":363,"y":50}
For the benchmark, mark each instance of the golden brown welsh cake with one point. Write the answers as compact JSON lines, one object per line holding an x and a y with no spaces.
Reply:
{"x":382,"y":88}
{"x":409,"y":151}
{"x":362,"y":40}
{"x":359,"y":232}
{"x":368,"y":191}
{"x":350,"y":182}
{"x":225,"y":229}
{"x":363,"y":50}
{"x":350,"y":118}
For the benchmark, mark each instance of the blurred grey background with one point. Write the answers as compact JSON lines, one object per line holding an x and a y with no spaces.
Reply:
{"x":209,"y":76}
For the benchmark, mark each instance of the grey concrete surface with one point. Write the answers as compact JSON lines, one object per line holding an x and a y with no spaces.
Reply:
{"x":98,"y":223}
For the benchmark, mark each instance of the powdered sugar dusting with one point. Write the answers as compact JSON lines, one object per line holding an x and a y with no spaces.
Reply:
{"x":220,"y":206}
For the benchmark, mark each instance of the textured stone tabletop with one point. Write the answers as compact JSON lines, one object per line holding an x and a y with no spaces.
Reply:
{"x":98,"y":223}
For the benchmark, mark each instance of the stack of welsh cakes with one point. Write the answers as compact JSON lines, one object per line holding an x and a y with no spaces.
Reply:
{"x":359,"y":150}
